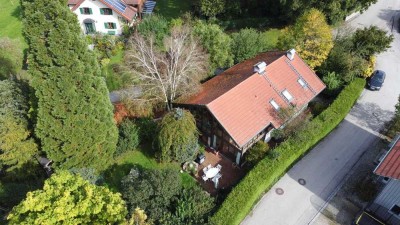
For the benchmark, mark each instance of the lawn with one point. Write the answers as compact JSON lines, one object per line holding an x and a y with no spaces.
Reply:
{"x":10,"y":20}
{"x":172,"y":9}
{"x":272,"y":36}
{"x":138,"y":157}
{"x":115,"y":80}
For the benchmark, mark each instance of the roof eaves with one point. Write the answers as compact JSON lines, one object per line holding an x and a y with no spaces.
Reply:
{"x":77,"y":5}
{"x":236,"y":142}
{"x":112,"y":7}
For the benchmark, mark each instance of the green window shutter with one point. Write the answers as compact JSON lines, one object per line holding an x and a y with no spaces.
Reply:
{"x":81,"y":9}
{"x":106,"y":25}
{"x":102,"y":11}
{"x":111,"y":12}
{"x":111,"y":32}
{"x":114,"y":26}
{"x":90,"y":11}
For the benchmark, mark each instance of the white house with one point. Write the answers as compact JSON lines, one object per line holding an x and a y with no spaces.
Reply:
{"x":104,"y":16}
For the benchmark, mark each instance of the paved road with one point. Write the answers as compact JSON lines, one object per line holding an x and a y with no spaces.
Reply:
{"x":326,"y":166}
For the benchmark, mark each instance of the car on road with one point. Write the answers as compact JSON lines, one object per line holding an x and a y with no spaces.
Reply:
{"x":375,"y":82}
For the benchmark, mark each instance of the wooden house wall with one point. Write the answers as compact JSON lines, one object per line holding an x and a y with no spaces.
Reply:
{"x":387,"y":198}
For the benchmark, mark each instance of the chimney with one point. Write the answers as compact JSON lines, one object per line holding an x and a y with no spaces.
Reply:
{"x":290,"y":54}
{"x":260,"y":67}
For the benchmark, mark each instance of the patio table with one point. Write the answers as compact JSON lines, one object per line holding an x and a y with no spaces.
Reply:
{"x":210,"y":173}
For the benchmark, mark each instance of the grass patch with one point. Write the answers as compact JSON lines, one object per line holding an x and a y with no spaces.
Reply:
{"x":272,"y":35}
{"x":123,"y":164}
{"x":115,"y":78}
{"x":172,"y":9}
{"x":11,"y":20}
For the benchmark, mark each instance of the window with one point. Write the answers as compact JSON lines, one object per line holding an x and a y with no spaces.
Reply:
{"x":86,"y":11}
{"x":395,"y":210}
{"x":106,"y":11}
{"x":287,"y":95}
{"x":301,"y":82}
{"x":274,"y":104}
{"x":110,"y":25}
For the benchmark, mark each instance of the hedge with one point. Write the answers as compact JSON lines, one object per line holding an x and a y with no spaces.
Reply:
{"x":261,"y":178}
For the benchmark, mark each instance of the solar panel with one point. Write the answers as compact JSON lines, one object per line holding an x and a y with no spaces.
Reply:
{"x":118,"y":5}
{"x":149,"y":6}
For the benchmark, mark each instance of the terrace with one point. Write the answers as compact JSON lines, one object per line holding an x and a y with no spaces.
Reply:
{"x":231,"y":174}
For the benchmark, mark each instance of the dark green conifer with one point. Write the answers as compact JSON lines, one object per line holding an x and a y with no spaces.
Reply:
{"x":74,"y":117}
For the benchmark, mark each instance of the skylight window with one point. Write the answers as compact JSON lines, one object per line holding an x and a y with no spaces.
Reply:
{"x":301,"y":82}
{"x":287,"y":95}
{"x":274,"y":104}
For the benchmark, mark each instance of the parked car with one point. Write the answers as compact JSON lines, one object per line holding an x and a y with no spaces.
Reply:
{"x":375,"y":82}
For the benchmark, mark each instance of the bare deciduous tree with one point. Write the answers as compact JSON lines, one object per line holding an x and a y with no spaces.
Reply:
{"x":163,"y":76}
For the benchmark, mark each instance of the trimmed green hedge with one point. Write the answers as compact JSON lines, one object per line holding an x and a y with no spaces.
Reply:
{"x":261,"y":178}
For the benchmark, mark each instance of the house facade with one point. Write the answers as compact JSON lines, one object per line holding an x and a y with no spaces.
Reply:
{"x":385,"y":208}
{"x":104,"y":16}
{"x":240,"y":106}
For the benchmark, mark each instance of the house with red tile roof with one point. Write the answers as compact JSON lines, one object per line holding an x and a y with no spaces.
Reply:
{"x":240,"y":106}
{"x":385,"y":208}
{"x":105,"y":16}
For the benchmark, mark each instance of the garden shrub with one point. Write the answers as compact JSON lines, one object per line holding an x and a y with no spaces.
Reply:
{"x":257,"y":152}
{"x":243,"y":197}
{"x":148,"y":129}
{"x":128,"y":137}
{"x":369,"y":68}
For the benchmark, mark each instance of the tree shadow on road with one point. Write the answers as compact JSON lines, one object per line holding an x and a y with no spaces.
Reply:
{"x":390,"y":16}
{"x":371,"y":116}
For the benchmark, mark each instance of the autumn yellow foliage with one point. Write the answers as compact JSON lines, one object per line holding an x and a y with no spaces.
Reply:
{"x":311,"y":36}
{"x":367,"y":72}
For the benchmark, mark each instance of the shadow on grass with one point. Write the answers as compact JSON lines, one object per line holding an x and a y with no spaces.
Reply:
{"x":114,"y":174}
{"x":17,"y":13}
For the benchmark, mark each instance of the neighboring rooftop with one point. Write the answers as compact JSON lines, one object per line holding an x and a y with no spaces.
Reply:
{"x":244,"y":102}
{"x":120,"y":7}
{"x":390,"y":165}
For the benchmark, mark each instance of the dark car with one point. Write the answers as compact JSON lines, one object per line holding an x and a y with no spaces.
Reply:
{"x":375,"y":82}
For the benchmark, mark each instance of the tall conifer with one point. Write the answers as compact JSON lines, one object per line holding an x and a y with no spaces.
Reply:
{"x":74,"y":117}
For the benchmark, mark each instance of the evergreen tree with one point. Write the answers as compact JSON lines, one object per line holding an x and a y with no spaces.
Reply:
{"x":17,"y":147}
{"x":178,"y":136}
{"x":74,"y":117}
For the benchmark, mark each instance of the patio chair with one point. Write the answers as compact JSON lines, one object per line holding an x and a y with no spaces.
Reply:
{"x":218,"y":176}
{"x":219,"y":167}
{"x":209,"y":166}
{"x":204,"y":177}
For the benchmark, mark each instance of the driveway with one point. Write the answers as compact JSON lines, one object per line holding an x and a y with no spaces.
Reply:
{"x":318,"y":176}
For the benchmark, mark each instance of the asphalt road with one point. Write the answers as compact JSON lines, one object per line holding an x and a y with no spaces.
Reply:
{"x":324,"y":169}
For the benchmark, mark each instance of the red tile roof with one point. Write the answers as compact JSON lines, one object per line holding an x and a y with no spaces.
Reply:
{"x":129,"y":12}
{"x":390,"y":165}
{"x":240,"y":99}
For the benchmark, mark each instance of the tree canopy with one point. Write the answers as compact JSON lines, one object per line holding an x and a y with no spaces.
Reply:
{"x":216,"y":42}
{"x":160,"y":194}
{"x":75,"y":122}
{"x":178,"y":136}
{"x":211,"y":8}
{"x":151,"y":190}
{"x":311,"y":36}
{"x":163,"y":76}
{"x":246,"y":44}
{"x":69,"y":199}
{"x":371,"y":40}
{"x":17,"y":147}
{"x":155,"y":26}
